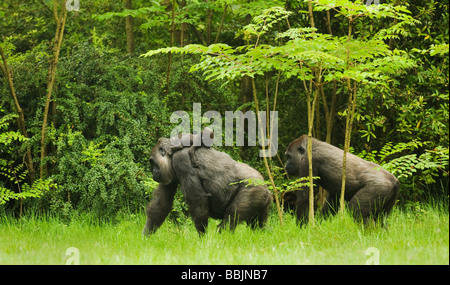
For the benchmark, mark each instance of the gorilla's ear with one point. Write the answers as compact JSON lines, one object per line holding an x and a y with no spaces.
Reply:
{"x":301,"y":150}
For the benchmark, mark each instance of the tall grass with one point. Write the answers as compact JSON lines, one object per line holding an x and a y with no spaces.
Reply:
{"x":416,"y":236}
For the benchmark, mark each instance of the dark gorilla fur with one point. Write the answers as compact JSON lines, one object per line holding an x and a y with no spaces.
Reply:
{"x":370,"y":190}
{"x":206,"y":188}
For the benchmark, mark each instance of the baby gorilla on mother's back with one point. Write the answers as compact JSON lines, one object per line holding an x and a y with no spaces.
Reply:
{"x":217,"y":187}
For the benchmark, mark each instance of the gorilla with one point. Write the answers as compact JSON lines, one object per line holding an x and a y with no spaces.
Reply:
{"x":218,"y":187}
{"x":370,"y":190}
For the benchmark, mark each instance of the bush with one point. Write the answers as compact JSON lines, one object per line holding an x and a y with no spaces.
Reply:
{"x":109,"y":116}
{"x":96,"y":178}
{"x":13,"y":187}
{"x":416,"y":167}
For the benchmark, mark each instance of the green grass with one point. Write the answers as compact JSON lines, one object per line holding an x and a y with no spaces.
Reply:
{"x":415,"y":237}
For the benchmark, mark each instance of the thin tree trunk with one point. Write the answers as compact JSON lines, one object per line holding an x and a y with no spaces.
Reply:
{"x":60,"y":19}
{"x":310,"y":127}
{"x":309,"y":151}
{"x":348,"y":123}
{"x":269,"y":173}
{"x":209,"y":16}
{"x":184,"y":35}
{"x":221,"y":23}
{"x":172,"y":39}
{"x":310,"y":14}
{"x":271,"y":127}
{"x":348,"y":132}
{"x":311,"y":108}
{"x":21,"y":118}
{"x":332,"y":113}
{"x":328,"y":22}
{"x":129,"y":28}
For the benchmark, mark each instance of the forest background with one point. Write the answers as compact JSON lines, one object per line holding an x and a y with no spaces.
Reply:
{"x":81,"y":107}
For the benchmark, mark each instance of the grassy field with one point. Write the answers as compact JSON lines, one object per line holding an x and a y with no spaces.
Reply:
{"x":420,"y":236}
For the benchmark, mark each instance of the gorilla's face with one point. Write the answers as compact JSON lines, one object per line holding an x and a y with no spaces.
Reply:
{"x":161,"y":162}
{"x":295,"y":154}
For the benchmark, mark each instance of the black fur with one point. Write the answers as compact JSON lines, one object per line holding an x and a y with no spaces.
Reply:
{"x":370,"y":190}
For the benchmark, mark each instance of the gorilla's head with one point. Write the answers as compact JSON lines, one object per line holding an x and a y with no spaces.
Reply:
{"x":295,"y":154}
{"x":161,"y":162}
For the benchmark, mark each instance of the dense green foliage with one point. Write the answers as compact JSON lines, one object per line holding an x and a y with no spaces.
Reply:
{"x":110,"y":105}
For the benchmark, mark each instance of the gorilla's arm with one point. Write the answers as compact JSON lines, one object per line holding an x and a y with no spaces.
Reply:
{"x":192,"y":189}
{"x":160,"y":206}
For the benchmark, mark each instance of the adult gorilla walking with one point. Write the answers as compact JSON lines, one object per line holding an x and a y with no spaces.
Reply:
{"x":216,"y":187}
{"x":370,"y":190}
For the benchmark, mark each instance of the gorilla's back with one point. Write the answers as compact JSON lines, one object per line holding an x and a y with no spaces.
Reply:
{"x":220,"y":176}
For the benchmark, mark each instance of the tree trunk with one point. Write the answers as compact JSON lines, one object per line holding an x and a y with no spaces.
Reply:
{"x":348,"y":131}
{"x":60,"y":19}
{"x":329,"y":119}
{"x":209,"y":16}
{"x":184,"y":35}
{"x":269,"y":173}
{"x":310,"y":14}
{"x":311,"y":109}
{"x":172,"y":39}
{"x":348,"y":123}
{"x":129,"y":28}
{"x":311,"y":219}
{"x":21,"y":118}
{"x":221,"y":24}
